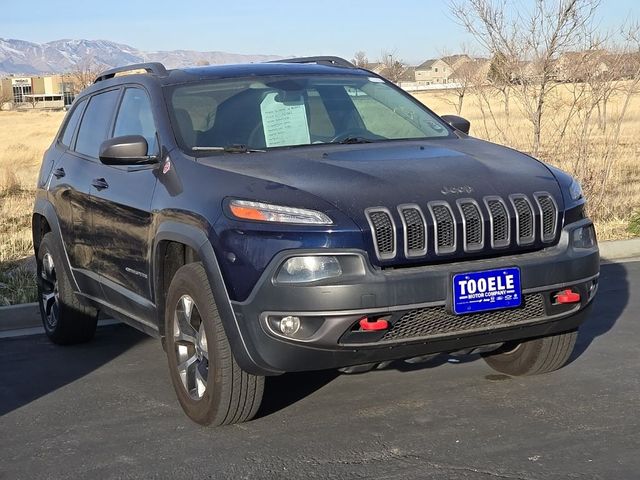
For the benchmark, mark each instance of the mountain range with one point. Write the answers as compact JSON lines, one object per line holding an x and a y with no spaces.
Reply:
{"x":29,"y":58}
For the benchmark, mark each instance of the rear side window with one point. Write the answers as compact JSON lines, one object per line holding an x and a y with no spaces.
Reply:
{"x":94,"y":128}
{"x":72,"y":123}
{"x":135,"y":118}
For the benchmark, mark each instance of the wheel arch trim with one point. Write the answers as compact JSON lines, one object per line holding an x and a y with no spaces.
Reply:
{"x":46,"y":209}
{"x":198,"y":240}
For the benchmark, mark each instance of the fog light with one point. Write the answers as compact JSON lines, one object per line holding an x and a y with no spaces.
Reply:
{"x":290,"y":325}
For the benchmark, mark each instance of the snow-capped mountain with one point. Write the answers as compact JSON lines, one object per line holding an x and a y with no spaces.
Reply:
{"x":22,"y":57}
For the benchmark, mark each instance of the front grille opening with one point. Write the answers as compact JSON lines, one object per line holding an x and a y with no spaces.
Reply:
{"x":445,"y":228}
{"x":548,"y":210}
{"x":437,"y":321}
{"x":473,"y":230}
{"x":525,"y":220}
{"x":383,"y":233}
{"x":416,"y":241}
{"x":500,"y":223}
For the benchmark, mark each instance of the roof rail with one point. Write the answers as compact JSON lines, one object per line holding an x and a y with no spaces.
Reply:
{"x":326,"y":60}
{"x":155,"y":68}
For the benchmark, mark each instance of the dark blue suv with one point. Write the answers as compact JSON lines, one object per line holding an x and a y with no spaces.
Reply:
{"x":302,"y":215}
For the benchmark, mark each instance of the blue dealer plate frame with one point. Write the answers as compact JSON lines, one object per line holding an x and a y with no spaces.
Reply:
{"x":486,"y":290}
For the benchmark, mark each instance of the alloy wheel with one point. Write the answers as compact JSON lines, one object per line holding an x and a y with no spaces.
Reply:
{"x":49,"y":291}
{"x":191,"y":348}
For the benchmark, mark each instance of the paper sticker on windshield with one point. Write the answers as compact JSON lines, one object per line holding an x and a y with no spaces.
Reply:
{"x":376,"y":80}
{"x":284,"y":121}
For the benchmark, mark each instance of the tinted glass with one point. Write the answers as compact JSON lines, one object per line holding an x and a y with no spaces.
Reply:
{"x":135,"y":118}
{"x":95,"y":123}
{"x":72,"y":123}
{"x":266,"y":112}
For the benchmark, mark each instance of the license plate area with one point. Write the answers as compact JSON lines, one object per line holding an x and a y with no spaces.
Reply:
{"x":486,"y":290}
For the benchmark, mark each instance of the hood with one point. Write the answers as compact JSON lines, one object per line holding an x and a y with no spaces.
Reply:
{"x":355,"y":177}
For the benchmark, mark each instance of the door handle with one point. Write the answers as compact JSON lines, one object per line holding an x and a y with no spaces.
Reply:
{"x":59,"y":172}
{"x":100,"y":183}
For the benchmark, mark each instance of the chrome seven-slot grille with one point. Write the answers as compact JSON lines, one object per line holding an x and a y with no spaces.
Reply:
{"x":532,"y":220}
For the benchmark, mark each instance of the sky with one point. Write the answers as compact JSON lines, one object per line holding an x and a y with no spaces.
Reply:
{"x":414,"y":29}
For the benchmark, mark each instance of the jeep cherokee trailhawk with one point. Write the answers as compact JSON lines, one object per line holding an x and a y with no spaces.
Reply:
{"x":301,"y":215}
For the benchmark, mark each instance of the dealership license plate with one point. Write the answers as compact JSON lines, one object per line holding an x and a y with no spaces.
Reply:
{"x":488,"y":290}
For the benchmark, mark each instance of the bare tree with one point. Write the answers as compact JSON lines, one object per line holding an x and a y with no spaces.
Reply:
{"x":393,"y":66}
{"x":31,"y":100}
{"x":468,"y":76}
{"x":84,"y":73}
{"x":531,"y":40}
{"x":500,"y":77}
{"x":6,"y":97}
{"x":360,"y":59}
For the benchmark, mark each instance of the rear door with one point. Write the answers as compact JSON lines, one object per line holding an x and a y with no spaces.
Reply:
{"x":68,"y":188}
{"x":121,"y":200}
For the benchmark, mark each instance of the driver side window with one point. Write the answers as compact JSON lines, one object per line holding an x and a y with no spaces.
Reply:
{"x":136,"y":118}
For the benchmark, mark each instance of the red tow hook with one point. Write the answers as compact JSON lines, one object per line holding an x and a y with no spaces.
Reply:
{"x":373,"y":325}
{"x":567,"y":296}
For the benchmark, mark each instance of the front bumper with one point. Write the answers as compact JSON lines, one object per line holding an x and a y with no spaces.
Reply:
{"x":419,"y":294}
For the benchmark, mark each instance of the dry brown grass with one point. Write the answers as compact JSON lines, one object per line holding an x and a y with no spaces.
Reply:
{"x":24,"y":136}
{"x":609,"y":170}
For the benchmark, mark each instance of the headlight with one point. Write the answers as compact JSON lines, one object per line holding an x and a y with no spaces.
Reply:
{"x":309,"y":269}
{"x":575,"y":190}
{"x":266,"y":212}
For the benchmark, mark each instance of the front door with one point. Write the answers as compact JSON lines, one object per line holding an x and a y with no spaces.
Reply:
{"x":121,"y":201}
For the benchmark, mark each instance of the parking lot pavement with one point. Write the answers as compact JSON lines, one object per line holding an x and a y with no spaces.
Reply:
{"x":107,"y":410}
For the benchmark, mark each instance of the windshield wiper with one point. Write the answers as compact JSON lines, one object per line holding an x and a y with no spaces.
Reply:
{"x":235,"y":148}
{"x":351,"y":140}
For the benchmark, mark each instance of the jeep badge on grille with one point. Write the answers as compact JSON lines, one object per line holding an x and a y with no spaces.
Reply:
{"x":453,"y":190}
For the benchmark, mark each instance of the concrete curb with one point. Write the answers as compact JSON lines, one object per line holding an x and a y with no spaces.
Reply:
{"x":620,"y":249}
{"x":14,"y":317}
{"x":16,"y":320}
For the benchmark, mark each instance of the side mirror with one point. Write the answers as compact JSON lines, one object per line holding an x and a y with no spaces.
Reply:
{"x":126,"y":150}
{"x":458,"y":123}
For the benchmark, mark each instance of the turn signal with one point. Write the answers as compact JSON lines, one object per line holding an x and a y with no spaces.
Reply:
{"x":266,"y":212}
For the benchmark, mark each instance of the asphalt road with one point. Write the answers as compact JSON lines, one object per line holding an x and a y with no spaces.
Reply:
{"x":107,"y":410}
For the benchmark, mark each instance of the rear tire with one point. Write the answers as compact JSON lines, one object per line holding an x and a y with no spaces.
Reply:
{"x":532,"y":357}
{"x":211,"y":388}
{"x":66,"y":321}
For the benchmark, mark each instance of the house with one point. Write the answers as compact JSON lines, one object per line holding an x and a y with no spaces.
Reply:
{"x":473,"y":72}
{"x":582,"y":66}
{"x":440,"y":70}
{"x":408,"y":75}
{"x":401,"y":73}
{"x":375,"y":67}
{"x":627,"y":64}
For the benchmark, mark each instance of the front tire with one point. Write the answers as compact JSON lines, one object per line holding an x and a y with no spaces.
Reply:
{"x":66,"y":321}
{"x":211,"y":388}
{"x":533,"y":357}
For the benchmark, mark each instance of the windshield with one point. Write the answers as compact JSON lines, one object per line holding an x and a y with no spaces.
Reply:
{"x":271,"y":112}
